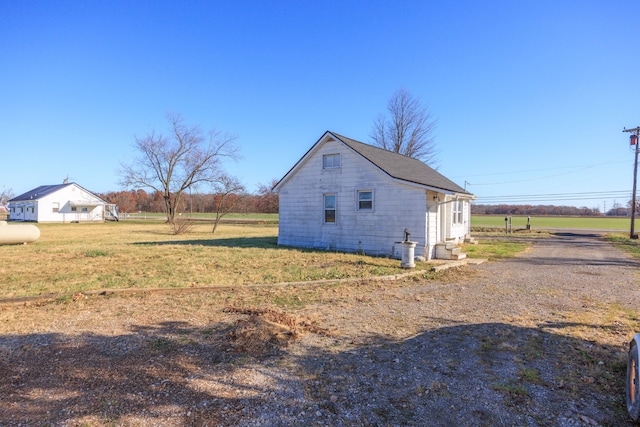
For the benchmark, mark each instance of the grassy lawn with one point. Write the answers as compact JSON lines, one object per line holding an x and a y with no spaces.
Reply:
{"x":606,"y":223}
{"x":622,"y":241}
{"x":70,"y":258}
{"x":494,"y":249}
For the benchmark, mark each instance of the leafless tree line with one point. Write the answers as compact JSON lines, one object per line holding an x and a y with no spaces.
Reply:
{"x":132,"y":201}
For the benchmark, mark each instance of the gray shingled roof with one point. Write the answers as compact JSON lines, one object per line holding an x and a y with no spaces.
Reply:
{"x":44,"y":190}
{"x":402,"y":167}
{"x":39,"y":192}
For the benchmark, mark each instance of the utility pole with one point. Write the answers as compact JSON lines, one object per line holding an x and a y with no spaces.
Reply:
{"x":635,"y":133}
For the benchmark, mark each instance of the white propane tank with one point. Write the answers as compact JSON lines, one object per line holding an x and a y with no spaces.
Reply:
{"x":16,"y":234}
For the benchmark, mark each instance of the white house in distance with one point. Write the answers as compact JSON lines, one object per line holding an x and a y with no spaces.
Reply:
{"x":349,"y":196}
{"x":67,"y":202}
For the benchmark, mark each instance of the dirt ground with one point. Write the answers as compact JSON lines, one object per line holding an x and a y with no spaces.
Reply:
{"x":538,"y":340}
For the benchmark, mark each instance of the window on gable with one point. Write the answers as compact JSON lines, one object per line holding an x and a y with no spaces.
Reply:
{"x":365,"y":200}
{"x":329,"y":208}
{"x":55,"y":207}
{"x":331,"y":161}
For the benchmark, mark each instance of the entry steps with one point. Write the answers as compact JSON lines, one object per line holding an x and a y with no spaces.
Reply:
{"x":449,"y":250}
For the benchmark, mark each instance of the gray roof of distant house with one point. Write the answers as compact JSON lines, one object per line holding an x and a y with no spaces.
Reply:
{"x":402,"y":167}
{"x":43,"y":190}
{"x":38,"y":192}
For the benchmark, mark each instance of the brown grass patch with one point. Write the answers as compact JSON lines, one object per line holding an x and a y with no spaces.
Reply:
{"x":73,"y":258}
{"x":265,"y":332}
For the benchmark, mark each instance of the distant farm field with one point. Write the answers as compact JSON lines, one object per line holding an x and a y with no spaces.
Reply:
{"x":72,"y":258}
{"x":603,"y":223}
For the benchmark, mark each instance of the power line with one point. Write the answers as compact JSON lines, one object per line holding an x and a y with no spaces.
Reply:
{"x":587,"y":166}
{"x":591,"y":193}
{"x":516,"y":181}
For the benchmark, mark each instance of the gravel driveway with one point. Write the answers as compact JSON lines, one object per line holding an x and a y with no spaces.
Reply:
{"x":538,"y":340}
{"x":491,"y":348}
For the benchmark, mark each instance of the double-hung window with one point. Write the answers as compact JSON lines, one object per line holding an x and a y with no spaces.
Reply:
{"x":331,"y":161}
{"x":329,"y":208}
{"x":365,"y":200}
{"x":457,"y":212}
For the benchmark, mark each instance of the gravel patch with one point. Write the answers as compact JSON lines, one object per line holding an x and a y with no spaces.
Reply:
{"x":538,"y":340}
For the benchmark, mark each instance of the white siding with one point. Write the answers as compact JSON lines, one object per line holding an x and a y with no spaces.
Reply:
{"x":466,"y":213}
{"x":396,"y":206}
{"x":433,"y":236}
{"x":456,"y":231}
{"x":23,"y":211}
{"x":88,"y":207}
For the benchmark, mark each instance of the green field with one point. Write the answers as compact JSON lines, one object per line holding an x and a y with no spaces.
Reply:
{"x":518,"y":221}
{"x":542,"y":222}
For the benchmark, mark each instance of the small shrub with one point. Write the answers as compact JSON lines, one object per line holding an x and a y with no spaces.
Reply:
{"x":181,"y":226}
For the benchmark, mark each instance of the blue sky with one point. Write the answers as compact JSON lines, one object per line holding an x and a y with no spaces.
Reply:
{"x":530,"y":96}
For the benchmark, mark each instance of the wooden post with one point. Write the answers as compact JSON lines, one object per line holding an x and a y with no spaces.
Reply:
{"x":632,"y":233}
{"x":634,"y":141}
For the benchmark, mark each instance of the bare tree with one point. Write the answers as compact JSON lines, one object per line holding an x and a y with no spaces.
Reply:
{"x":408,"y":129}
{"x":170,"y":165}
{"x":6,"y":194}
{"x":228,"y":191}
{"x":268,"y":200}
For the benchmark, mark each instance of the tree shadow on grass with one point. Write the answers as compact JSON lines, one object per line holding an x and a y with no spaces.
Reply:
{"x":173,"y":373}
{"x":269,"y":242}
{"x":162,"y":375}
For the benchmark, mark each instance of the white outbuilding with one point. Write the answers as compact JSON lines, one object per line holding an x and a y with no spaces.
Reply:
{"x":67,"y":202}
{"x":349,"y":196}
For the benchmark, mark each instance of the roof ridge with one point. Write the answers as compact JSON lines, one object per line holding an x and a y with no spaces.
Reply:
{"x":380,"y":148}
{"x":401,"y":166}
{"x":43,"y":190}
